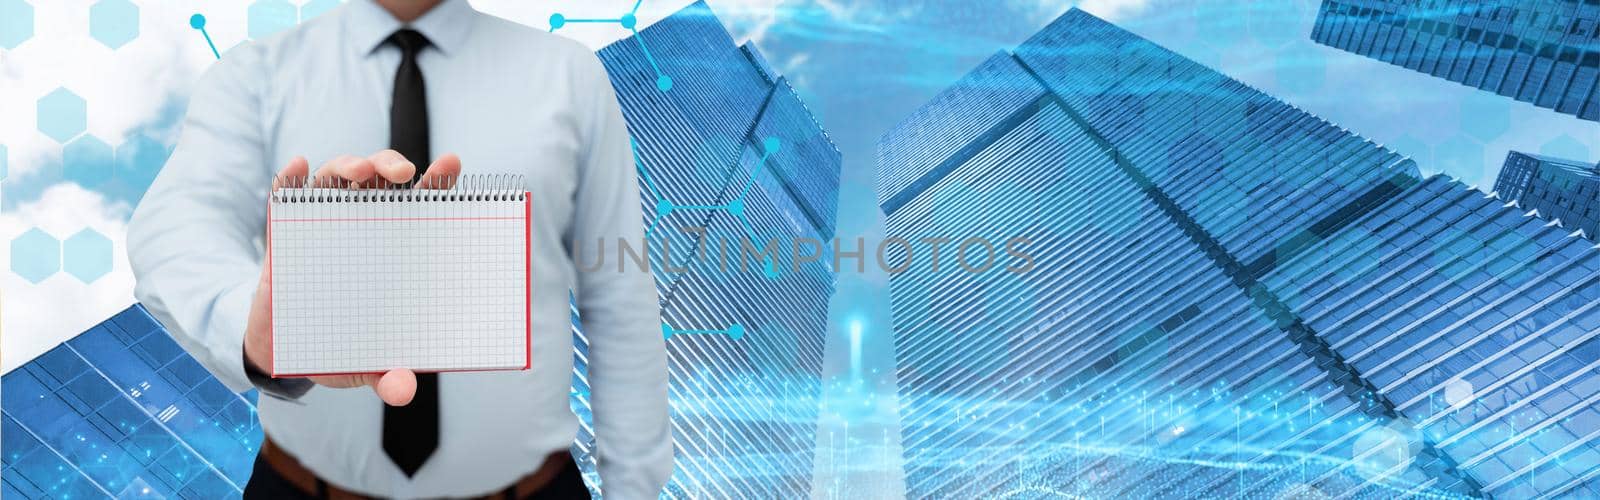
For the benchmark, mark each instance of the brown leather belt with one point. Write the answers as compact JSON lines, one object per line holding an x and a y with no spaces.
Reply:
{"x":290,"y":469}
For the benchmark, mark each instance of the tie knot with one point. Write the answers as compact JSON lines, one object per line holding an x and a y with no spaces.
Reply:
{"x":409,"y":41}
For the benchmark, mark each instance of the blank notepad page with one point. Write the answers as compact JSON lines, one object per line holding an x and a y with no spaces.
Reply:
{"x":369,"y":280}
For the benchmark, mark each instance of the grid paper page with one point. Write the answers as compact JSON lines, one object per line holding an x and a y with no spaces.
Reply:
{"x":368,"y":286}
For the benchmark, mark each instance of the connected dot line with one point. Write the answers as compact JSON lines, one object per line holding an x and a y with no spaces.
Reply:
{"x":665,"y":207}
{"x":734,"y":332}
{"x":198,"y":22}
{"x":629,"y":21}
{"x":735,"y":207}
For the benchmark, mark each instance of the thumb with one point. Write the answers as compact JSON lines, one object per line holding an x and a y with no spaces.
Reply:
{"x":396,"y":387}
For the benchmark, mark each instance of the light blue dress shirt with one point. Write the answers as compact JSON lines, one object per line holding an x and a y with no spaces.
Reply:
{"x":507,"y":99}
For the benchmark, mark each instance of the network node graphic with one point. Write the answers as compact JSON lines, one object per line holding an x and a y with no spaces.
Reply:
{"x":735,"y":207}
{"x":198,"y":22}
{"x":628,"y":21}
{"x":734,"y":332}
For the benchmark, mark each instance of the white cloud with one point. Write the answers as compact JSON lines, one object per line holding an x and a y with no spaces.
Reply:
{"x":1114,"y":10}
{"x":37,"y":317}
{"x":123,"y":88}
{"x":1110,"y":10}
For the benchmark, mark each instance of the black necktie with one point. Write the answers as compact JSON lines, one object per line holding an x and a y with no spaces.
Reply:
{"x":411,"y":432}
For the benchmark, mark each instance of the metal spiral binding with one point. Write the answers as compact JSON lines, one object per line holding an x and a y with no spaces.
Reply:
{"x":483,"y":187}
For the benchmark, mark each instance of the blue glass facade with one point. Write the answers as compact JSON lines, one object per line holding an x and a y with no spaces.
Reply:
{"x":1559,"y":189}
{"x":122,"y":411}
{"x":1229,"y":297}
{"x":1543,"y":53}
{"x":733,"y":150}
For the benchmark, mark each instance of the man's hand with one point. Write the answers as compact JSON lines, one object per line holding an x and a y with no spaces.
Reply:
{"x":395,"y":386}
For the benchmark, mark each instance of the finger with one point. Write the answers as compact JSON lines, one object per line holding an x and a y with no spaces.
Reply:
{"x":345,"y":381}
{"x":442,"y":173}
{"x":392,"y":166}
{"x":293,"y":175}
{"x":344,"y":170}
{"x":328,"y":174}
{"x":396,"y":387}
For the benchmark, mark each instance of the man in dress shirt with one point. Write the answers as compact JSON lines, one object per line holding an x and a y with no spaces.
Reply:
{"x":408,"y":79}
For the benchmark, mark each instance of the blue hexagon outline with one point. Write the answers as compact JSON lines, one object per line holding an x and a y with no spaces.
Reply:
{"x":35,"y":255}
{"x":1566,"y":147}
{"x":114,"y":22}
{"x":315,"y":8}
{"x":267,"y":17}
{"x":87,"y":161}
{"x":139,"y":159}
{"x":16,"y":23}
{"x":86,"y":255}
{"x":62,"y":114}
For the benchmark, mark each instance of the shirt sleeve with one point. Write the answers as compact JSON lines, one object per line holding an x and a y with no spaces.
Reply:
{"x":194,"y":242}
{"x":619,"y":310}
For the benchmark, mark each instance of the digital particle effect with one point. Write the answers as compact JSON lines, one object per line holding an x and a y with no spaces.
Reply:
{"x":1297,"y":312}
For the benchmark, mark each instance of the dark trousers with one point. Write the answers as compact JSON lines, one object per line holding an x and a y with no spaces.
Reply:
{"x":266,"y":483}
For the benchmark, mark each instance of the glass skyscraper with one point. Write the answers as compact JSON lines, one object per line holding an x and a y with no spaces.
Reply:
{"x":729,"y":154}
{"x":1221,"y":295}
{"x":1557,"y":188}
{"x":1545,"y":53}
{"x":121,"y":410}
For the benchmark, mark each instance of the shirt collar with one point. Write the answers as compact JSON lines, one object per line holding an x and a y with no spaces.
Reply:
{"x":367,"y":25}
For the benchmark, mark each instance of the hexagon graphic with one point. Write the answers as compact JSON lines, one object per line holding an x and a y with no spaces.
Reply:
{"x":86,"y":255}
{"x":86,"y":161}
{"x":1221,"y":23}
{"x":35,"y":255}
{"x":16,"y":23}
{"x":316,"y":8}
{"x":1275,"y":24}
{"x":270,"y":16}
{"x":114,"y":22}
{"x":139,"y":160}
{"x":1462,"y":157}
{"x":1567,"y":148}
{"x":1485,"y":116}
{"x":62,"y":115}
{"x":1419,"y":151}
{"x":1301,"y":71}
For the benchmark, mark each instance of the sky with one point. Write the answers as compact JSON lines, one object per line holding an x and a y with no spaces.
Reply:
{"x":861,"y":67}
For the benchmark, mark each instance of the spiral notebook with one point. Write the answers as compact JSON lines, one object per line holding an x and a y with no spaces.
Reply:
{"x":367,"y":280}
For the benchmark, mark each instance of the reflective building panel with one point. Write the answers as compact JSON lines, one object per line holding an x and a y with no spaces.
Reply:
{"x":729,"y":154}
{"x":1226,"y":297}
{"x":121,"y":410}
{"x":1559,"y":189}
{"x":1543,"y":53}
